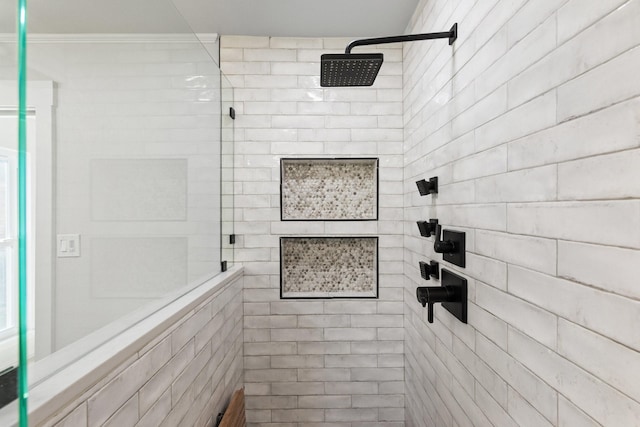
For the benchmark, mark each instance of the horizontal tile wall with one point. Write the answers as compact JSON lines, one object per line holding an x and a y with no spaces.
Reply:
{"x":185,"y":376}
{"x":531,"y":122}
{"x":315,"y":362}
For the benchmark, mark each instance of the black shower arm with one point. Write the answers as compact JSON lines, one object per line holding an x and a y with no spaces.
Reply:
{"x":451,"y":35}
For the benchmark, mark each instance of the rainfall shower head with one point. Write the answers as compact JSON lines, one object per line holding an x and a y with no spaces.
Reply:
{"x":361,"y":69}
{"x":349,"y":69}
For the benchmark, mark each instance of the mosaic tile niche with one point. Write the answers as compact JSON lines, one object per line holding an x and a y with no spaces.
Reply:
{"x":329,"y":189}
{"x":328,"y":267}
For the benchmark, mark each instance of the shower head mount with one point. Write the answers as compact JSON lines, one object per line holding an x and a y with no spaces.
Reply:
{"x":361,"y":69}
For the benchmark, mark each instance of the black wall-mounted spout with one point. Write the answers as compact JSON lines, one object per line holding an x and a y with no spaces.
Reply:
{"x":452,"y":245}
{"x":452,"y":294}
{"x":428,"y":187}
{"x":427,"y":229}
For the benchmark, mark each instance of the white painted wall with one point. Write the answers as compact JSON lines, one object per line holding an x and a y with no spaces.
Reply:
{"x":531,"y":123}
{"x":315,"y":362}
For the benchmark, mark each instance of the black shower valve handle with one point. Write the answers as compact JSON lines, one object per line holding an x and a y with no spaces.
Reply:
{"x":443,"y":246}
{"x":428,"y":296}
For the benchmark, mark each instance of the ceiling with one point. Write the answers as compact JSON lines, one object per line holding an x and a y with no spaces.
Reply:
{"x":285,"y":18}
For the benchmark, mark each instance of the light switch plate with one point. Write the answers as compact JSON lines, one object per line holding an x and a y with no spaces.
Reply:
{"x":68,"y":245}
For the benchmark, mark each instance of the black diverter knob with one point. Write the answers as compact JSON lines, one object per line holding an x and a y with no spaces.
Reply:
{"x":429,"y":270}
{"x":428,"y":187}
{"x":427,"y":229}
{"x":443,"y":246}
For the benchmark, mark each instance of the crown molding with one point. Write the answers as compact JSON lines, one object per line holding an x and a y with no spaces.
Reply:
{"x":115,"y":38}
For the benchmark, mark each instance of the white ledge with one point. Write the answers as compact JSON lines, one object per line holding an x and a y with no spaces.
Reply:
{"x":48,"y":395}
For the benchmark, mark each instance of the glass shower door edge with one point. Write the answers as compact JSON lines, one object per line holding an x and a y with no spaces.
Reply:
{"x":22,"y":213}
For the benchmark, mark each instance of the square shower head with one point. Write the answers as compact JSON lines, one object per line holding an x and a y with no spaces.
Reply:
{"x":349,"y":69}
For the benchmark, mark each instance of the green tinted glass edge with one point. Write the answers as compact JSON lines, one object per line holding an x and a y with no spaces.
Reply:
{"x":22,"y":213}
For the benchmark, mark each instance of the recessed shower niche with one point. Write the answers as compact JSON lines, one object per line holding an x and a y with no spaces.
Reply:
{"x":328,"y":267}
{"x":329,"y":189}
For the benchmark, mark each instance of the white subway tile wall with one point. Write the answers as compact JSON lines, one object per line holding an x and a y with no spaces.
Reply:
{"x":531,"y":121}
{"x":184,"y":376}
{"x":315,"y":362}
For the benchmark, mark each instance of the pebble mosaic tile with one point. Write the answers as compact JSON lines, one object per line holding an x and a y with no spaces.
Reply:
{"x":329,"y":267}
{"x":329,"y":189}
